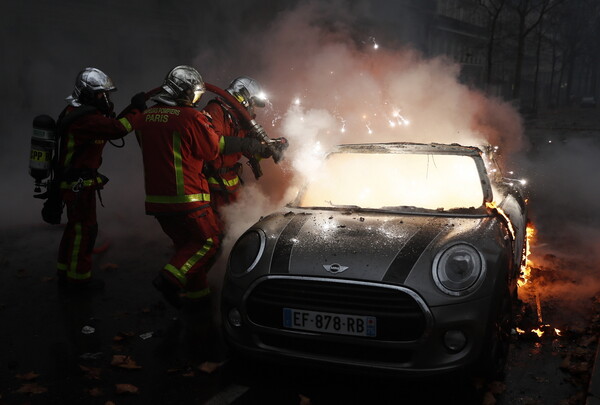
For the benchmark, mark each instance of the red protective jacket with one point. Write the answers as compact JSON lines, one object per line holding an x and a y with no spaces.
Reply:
{"x":83,"y":143}
{"x":223,"y":172}
{"x":175,"y":142}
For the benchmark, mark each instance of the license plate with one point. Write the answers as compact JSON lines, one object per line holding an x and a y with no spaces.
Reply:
{"x":329,"y":322}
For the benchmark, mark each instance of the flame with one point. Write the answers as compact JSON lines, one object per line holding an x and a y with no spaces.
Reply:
{"x":527,"y":263}
{"x":558,"y":332}
{"x":538,"y":332}
{"x":520,"y":331}
{"x":492,"y":205}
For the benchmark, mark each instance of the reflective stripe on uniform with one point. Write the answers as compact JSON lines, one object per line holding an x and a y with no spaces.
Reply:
{"x":221,"y":144}
{"x":229,"y":183}
{"x":70,"y":149}
{"x":177,"y":163}
{"x":85,"y":183}
{"x":175,"y":199}
{"x":126,"y":124}
{"x":181,"y":272}
{"x":72,"y":268}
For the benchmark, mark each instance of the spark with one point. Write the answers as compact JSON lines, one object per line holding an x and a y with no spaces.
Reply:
{"x":297,"y":101}
{"x":369,"y":130}
{"x":520,"y":331}
{"x":558,"y":332}
{"x":375,"y":44}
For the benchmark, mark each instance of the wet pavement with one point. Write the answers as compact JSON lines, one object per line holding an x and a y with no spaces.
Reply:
{"x":124,"y":345}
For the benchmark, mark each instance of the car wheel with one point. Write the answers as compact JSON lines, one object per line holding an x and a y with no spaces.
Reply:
{"x":493,"y":358}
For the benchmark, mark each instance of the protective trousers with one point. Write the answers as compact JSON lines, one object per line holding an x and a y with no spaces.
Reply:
{"x":194,"y":235}
{"x":79,"y":236}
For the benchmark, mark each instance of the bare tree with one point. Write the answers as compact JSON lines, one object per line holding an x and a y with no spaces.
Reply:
{"x":493,"y":9}
{"x":529,"y":15}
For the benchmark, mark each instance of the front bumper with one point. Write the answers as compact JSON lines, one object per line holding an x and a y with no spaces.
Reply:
{"x":417,"y":349}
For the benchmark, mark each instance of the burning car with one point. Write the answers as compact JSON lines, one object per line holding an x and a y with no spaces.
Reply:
{"x":398,"y":257}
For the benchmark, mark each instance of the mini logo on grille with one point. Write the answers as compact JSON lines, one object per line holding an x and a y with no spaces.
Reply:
{"x":335,"y":268}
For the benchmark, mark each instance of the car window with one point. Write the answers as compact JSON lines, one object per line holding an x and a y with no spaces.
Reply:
{"x":395,"y":180}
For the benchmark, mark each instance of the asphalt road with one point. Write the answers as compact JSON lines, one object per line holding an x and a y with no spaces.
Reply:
{"x":125,"y":346}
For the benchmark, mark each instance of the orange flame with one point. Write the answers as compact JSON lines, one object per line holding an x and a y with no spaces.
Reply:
{"x":558,"y":332}
{"x":527,"y":263}
{"x":520,"y":331}
{"x":538,"y":332}
{"x":492,"y":205}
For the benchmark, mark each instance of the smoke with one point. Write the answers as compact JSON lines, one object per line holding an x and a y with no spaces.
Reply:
{"x":328,"y":84}
{"x":564,"y":197}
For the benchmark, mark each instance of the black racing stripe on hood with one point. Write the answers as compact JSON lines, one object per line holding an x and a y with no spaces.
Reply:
{"x":412,"y":250}
{"x":283,"y":248}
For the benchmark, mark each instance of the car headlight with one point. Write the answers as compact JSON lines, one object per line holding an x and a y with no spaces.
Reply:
{"x":459,"y":269}
{"x":246,"y":252}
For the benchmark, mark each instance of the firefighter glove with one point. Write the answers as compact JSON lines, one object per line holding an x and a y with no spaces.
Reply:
{"x":139,"y":101}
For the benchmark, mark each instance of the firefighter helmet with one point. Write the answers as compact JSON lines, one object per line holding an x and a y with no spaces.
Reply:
{"x":248,"y":92}
{"x":89,"y":84}
{"x":183,"y":85}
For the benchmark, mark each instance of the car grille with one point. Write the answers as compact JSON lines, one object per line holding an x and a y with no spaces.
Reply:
{"x":400,"y":318}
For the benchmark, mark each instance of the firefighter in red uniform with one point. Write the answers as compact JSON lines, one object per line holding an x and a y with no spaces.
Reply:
{"x":176,"y":140}
{"x":84,"y":127}
{"x":224,"y":172}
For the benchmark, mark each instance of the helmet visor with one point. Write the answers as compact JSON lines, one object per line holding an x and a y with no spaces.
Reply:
{"x":197,"y":95}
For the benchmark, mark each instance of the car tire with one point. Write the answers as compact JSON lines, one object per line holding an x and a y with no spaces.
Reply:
{"x":492,"y":361}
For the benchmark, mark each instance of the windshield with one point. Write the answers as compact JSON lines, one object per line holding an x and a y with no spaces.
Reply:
{"x":395,"y":181}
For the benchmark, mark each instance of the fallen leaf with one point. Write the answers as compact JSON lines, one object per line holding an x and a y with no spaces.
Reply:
{"x":566,"y":363}
{"x":31,"y":388}
{"x":27,"y":376}
{"x":126,"y":389}
{"x":304,"y":400}
{"x":109,"y":266}
{"x":209,"y":367}
{"x":189,"y":374}
{"x":119,"y":360}
{"x":497,"y":387}
{"x":95,"y":392}
{"x":589,"y":340}
{"x":91,"y":373}
{"x":488,"y":399}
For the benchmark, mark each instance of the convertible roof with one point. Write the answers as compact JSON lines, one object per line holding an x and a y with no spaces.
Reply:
{"x":410,"y":147}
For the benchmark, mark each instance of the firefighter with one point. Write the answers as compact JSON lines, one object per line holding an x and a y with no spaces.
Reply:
{"x":84,"y":126}
{"x":224,"y":172}
{"x":176,"y":140}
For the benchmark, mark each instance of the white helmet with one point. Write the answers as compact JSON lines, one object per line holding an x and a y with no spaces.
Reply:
{"x":248,"y":92}
{"x":183,"y":85}
{"x":88,"y":83}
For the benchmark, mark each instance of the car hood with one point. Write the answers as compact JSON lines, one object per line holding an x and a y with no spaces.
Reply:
{"x":364,"y":246}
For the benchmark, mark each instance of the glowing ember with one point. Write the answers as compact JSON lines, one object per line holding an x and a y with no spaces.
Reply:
{"x":558,"y":332}
{"x":538,"y":332}
{"x":520,"y":331}
{"x":527,"y":263}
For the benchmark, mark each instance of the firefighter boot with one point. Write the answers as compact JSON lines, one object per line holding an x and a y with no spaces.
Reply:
{"x":67,"y":286}
{"x":170,"y":291}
